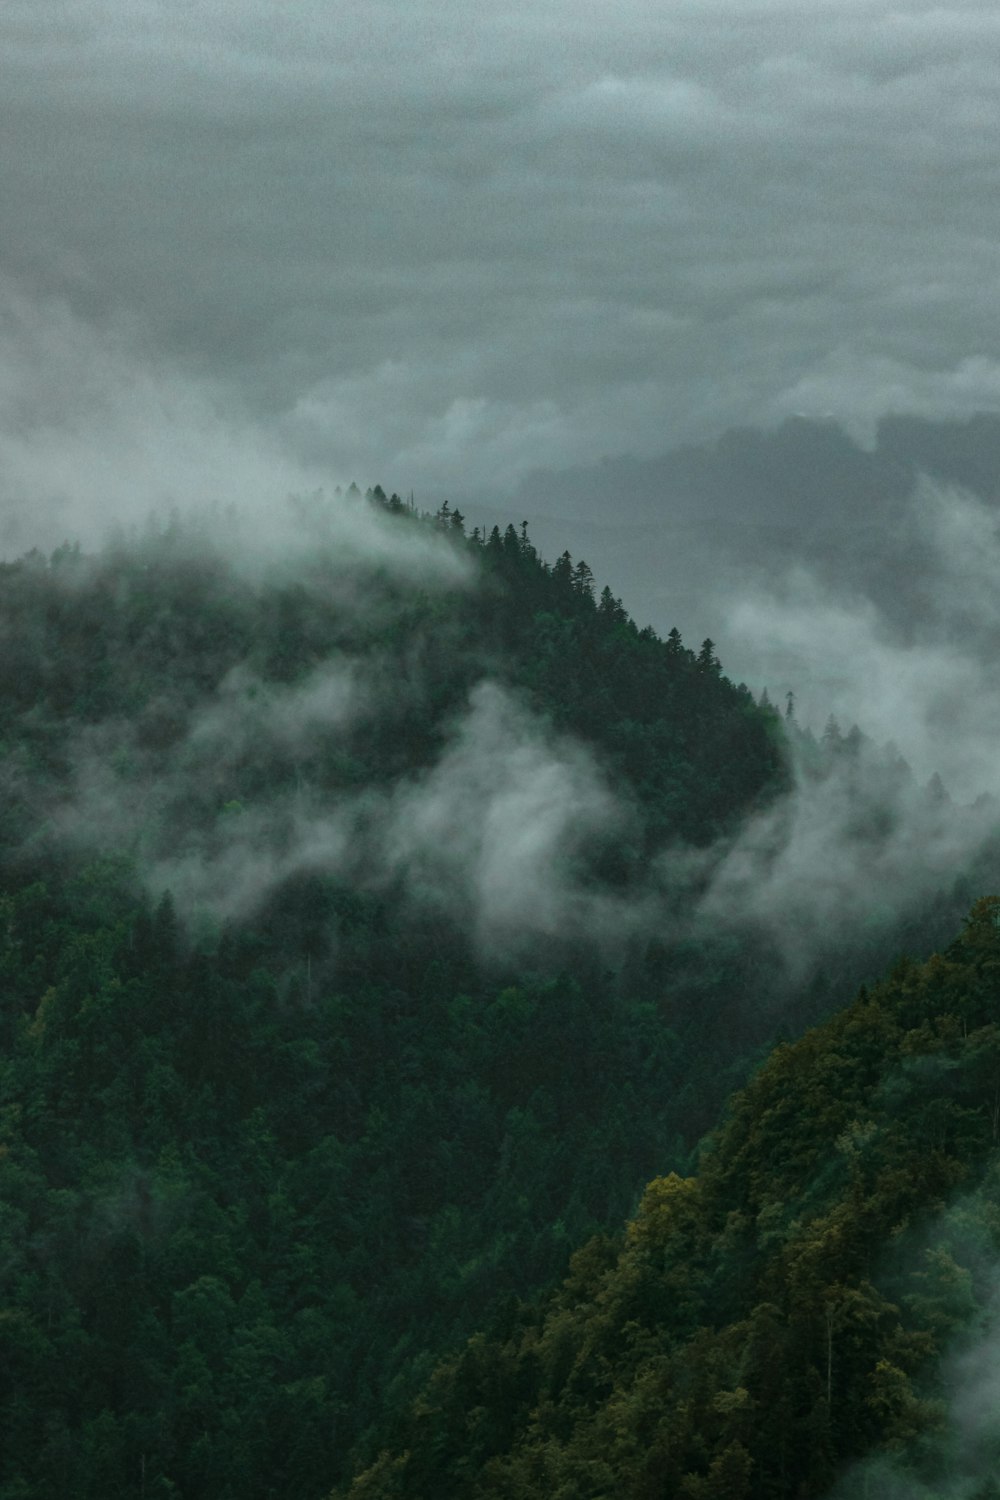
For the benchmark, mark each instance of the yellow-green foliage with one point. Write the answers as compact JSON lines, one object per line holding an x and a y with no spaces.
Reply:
{"x":765,"y":1324}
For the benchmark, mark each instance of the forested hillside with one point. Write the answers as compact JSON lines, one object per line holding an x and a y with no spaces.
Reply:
{"x":270,"y":1142}
{"x":349,"y":985}
{"x":814,"y":1308}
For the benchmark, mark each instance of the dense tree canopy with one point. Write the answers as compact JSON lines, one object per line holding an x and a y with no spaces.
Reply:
{"x":776,"y":1321}
{"x":280,"y":1128}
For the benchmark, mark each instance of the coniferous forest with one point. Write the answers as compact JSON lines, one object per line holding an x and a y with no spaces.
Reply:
{"x":398,"y":1096}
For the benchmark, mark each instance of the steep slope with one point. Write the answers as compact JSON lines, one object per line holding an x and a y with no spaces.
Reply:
{"x":783,"y":1320}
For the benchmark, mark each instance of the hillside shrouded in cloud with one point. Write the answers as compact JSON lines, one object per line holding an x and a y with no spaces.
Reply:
{"x":862,"y":578}
{"x":444,"y":245}
{"x":251,"y":252}
{"x":293,"y":709}
{"x":383,"y":901}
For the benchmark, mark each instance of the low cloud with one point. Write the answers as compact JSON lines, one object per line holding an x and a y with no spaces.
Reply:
{"x":95,"y":430}
{"x":911,"y":662}
{"x":858,"y":388}
{"x":501,"y":829}
{"x":505,"y":830}
{"x":503,"y":833}
{"x":869,"y":835}
{"x":98,"y":439}
{"x":247,"y":710}
{"x":498,"y":834}
{"x":856,"y":847}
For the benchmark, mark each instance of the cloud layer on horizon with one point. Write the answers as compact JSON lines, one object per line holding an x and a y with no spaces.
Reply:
{"x":443,"y":247}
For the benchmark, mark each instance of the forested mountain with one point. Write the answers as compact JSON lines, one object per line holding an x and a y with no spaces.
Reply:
{"x":372,"y":932}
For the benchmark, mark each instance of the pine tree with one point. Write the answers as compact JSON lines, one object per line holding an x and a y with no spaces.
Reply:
{"x":707,"y":660}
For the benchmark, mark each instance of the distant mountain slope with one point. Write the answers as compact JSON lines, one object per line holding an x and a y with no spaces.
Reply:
{"x":690,"y":533}
{"x":816,"y":1305}
{"x":804,"y":473}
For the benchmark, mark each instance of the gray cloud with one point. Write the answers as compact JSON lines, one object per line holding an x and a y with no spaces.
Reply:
{"x":246,"y":711}
{"x":95,"y":429}
{"x":930,"y":689}
{"x":906,"y":652}
{"x":96,"y":432}
{"x":501,"y":827}
{"x":443,"y":245}
{"x":497,"y":834}
{"x":841,"y":860}
{"x":862,"y":579}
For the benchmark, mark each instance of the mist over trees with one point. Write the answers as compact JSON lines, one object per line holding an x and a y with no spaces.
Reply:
{"x":857,"y":570}
{"x":382,"y":910}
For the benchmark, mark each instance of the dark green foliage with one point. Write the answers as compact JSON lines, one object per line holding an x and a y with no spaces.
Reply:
{"x":235,"y":1213}
{"x":144,"y":632}
{"x":255,"y":1178}
{"x":258,"y":1175}
{"x":766,"y":1326}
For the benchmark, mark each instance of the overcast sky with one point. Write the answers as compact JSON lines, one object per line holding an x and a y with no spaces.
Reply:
{"x":438,"y":244}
